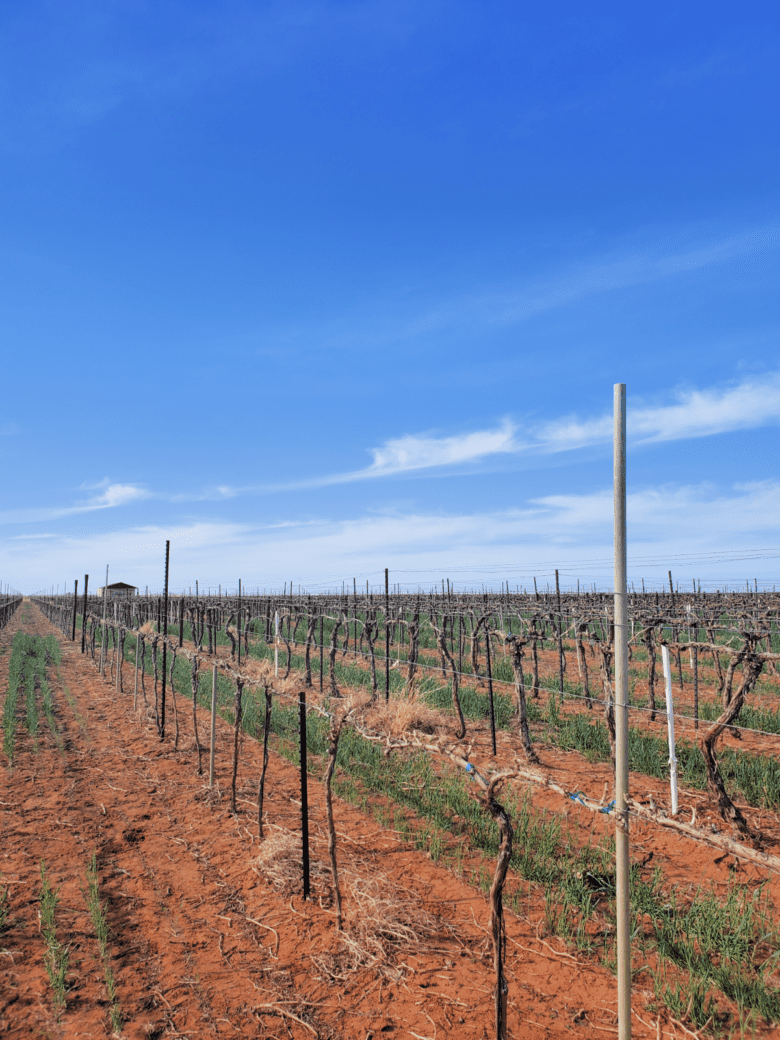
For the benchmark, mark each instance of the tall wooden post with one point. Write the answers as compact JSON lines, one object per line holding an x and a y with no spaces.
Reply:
{"x":621,"y":719}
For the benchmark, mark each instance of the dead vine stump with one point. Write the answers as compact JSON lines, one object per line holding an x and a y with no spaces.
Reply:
{"x":333,"y":747}
{"x":497,"y":927}
{"x":261,"y":786}
{"x":236,"y":741}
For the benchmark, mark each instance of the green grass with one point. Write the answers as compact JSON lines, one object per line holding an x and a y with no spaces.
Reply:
{"x":30,"y":657}
{"x":30,"y":680}
{"x":756,"y":776}
{"x":47,"y":701}
{"x":55,"y":956}
{"x":100,"y":923}
{"x":15,"y":679}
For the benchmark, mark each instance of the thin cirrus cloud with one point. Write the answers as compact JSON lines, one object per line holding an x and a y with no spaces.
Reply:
{"x":110,"y":497}
{"x":513,"y":305}
{"x":690,"y":413}
{"x":404,"y":454}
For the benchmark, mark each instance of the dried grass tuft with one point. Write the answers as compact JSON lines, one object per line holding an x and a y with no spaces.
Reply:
{"x":382,"y":921}
{"x":279,"y":860}
{"x":404,"y":714}
{"x":262,"y":671}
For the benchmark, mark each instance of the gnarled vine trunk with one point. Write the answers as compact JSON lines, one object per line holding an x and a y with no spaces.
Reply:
{"x":752,"y":666}
{"x":516,"y":645}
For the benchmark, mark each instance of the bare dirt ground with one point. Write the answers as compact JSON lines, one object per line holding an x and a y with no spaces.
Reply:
{"x":208,"y":932}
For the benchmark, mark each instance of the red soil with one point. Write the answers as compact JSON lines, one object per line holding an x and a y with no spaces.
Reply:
{"x":202,"y":943}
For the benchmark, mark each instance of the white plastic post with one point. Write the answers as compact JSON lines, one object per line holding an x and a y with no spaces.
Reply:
{"x":670,"y":725}
{"x":213,"y":724}
{"x":276,"y":643}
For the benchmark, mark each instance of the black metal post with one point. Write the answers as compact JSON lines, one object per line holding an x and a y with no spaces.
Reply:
{"x":84,"y":615}
{"x":304,"y":794}
{"x":239,"y":622}
{"x":165,"y":641}
{"x":181,"y":620}
{"x":75,"y":604}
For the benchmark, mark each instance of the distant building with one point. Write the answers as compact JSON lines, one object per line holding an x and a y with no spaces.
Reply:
{"x":119,"y":589}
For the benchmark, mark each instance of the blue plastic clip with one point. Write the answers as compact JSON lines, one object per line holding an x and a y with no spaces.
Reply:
{"x":608,"y":808}
{"x":577,"y":797}
{"x":469,"y":769}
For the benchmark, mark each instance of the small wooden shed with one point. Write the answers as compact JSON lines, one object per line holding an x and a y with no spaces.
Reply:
{"x":118,"y":589}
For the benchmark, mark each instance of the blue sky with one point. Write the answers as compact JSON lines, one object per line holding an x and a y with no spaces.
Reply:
{"x":314,"y":289}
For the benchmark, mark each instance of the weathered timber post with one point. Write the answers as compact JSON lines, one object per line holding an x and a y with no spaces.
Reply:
{"x":622,"y":877}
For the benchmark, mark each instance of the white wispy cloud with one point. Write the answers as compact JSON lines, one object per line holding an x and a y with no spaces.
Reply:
{"x":691,"y":413}
{"x":697,"y":530}
{"x":687,"y":413}
{"x":409,"y":452}
{"x":111,"y":496}
{"x":412,"y":452}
